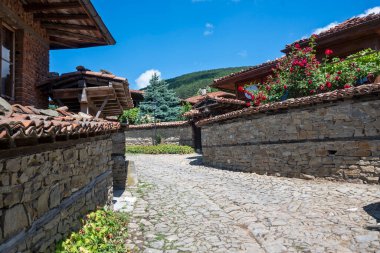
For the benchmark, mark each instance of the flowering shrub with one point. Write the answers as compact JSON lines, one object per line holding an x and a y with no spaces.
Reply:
{"x":300,"y":74}
{"x":102,"y":231}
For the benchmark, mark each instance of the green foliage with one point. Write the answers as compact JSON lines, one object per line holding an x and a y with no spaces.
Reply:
{"x":188,"y":85}
{"x":102,"y":231}
{"x":160,"y":100}
{"x":160,"y":149}
{"x":184,"y":109}
{"x":158,"y":139}
{"x":130,"y":116}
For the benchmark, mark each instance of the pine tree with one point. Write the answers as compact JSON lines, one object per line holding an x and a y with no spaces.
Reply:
{"x":160,"y":101}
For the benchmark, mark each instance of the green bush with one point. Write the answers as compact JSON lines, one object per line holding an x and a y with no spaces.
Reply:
{"x":102,"y":231}
{"x":130,"y":116}
{"x":160,"y":149}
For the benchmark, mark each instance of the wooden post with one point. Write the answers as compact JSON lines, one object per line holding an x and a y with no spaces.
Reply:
{"x":84,"y":102}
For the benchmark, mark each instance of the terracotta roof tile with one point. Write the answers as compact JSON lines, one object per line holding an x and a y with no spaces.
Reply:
{"x":192,"y":113}
{"x":197,"y":99}
{"x":159,"y":125}
{"x":256,"y":67}
{"x":25,"y":125}
{"x":297,"y":102}
{"x":346,"y":25}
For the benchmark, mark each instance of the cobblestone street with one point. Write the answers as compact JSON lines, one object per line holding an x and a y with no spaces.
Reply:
{"x":181,"y":206}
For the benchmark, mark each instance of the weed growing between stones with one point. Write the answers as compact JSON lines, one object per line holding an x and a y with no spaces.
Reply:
{"x":102,"y":231}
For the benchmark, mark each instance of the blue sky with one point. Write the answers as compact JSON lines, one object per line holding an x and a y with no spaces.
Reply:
{"x":176,"y":37}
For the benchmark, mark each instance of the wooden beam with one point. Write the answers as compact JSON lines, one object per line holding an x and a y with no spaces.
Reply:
{"x":68,"y":26}
{"x":84,"y":102}
{"x":73,"y":36}
{"x":57,"y":16}
{"x":66,"y":93}
{"x":101,"y":108}
{"x":36,"y":7}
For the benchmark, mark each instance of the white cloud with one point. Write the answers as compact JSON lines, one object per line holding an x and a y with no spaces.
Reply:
{"x":143,"y":80}
{"x":374,"y":10}
{"x":209,"y":29}
{"x":367,"y":12}
{"x":325,"y":28}
{"x":243,"y":53}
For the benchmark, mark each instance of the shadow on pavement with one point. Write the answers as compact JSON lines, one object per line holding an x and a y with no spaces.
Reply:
{"x":196,"y":160}
{"x":374,"y":211}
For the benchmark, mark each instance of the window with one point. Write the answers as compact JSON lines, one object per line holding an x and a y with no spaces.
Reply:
{"x":7,"y":41}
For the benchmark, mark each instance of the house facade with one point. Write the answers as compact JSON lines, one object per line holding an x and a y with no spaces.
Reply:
{"x":29,"y":29}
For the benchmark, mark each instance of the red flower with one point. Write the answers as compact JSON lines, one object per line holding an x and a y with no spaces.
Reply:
{"x":253,"y":97}
{"x":328,"y":84}
{"x":268,"y":88}
{"x":257,"y":103}
{"x":339,"y":72}
{"x":248,"y":104}
{"x":312,"y":91}
{"x":285,"y":87}
{"x":310,"y":81}
{"x":263,"y":98}
{"x":328,"y":52}
{"x":297,"y":46}
{"x":358,"y":69}
{"x":241,"y":88}
{"x":346,"y":86}
{"x":321,"y":87}
{"x":337,"y":78}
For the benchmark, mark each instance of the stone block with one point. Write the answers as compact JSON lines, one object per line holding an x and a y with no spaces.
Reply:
{"x":16,"y":213}
{"x":55,"y":196}
{"x":43,"y":203}
{"x":13,"y":165}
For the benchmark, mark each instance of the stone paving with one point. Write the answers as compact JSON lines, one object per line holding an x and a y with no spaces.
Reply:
{"x":182,"y":206}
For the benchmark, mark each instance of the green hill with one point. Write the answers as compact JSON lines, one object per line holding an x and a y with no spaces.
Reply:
{"x":187,"y":85}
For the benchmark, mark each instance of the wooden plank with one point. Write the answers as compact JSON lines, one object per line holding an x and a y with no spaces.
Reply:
{"x":36,"y":7}
{"x":72,"y":35}
{"x":66,"y":93}
{"x":58,"y":16}
{"x":51,"y":25}
{"x":62,"y":43}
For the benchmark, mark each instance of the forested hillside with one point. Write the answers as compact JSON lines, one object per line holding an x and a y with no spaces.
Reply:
{"x":187,"y":85}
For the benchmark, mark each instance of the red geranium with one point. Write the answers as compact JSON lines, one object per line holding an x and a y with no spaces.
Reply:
{"x":241,"y":88}
{"x":328,"y":52}
{"x":328,"y":84}
{"x":346,"y":86}
{"x":248,"y":104}
{"x":285,"y":87}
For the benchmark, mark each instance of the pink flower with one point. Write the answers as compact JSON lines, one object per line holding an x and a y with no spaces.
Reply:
{"x":312,"y":91}
{"x":297,"y":46}
{"x":268,"y":88}
{"x":248,"y":104}
{"x":321,"y":87}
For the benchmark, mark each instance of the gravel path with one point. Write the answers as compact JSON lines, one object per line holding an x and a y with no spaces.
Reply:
{"x":182,"y":206}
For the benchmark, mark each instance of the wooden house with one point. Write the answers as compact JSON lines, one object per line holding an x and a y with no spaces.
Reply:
{"x":29,"y":29}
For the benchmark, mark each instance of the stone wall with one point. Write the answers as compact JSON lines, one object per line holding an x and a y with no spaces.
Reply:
{"x":45,"y":190}
{"x":339,"y":140}
{"x":120,"y":167}
{"x":182,"y":135}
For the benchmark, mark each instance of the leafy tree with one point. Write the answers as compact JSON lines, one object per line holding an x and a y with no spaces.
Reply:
{"x":160,"y":101}
{"x":130,"y":116}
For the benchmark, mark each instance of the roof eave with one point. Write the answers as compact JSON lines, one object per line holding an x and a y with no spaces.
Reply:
{"x":91,"y":11}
